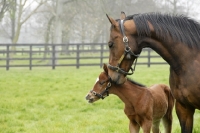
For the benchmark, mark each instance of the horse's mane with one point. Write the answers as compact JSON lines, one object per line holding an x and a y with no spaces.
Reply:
{"x":179,"y":27}
{"x":136,"y":83}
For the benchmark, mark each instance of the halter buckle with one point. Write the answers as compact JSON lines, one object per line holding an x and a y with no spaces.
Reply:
{"x":127,"y":49}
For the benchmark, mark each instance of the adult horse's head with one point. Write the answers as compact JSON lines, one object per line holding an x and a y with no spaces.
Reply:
{"x":122,"y":55}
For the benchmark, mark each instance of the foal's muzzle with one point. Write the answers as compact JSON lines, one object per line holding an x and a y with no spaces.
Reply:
{"x":89,"y":98}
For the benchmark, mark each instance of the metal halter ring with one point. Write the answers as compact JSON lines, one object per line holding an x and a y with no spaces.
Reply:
{"x":108,"y":85}
{"x":125,"y":39}
{"x":94,"y":93}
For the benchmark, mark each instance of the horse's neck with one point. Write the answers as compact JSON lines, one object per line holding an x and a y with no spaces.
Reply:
{"x":143,"y":42}
{"x":175,"y":54}
{"x":128,"y":92}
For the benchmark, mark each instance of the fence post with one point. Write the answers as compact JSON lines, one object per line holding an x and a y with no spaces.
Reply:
{"x":77,"y":55}
{"x":7,"y":57}
{"x":48,"y":51}
{"x":30,"y":56}
{"x":149,"y":57}
{"x":101,"y":54}
{"x":72,"y":49}
{"x":39,"y":51}
{"x":53,"y":56}
{"x":22,"y":51}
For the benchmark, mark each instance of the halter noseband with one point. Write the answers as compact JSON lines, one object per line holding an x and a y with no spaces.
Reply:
{"x":101,"y":95}
{"x":127,"y":50}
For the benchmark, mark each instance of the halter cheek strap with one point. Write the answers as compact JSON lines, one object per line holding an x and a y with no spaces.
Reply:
{"x":127,"y":50}
{"x":101,"y":95}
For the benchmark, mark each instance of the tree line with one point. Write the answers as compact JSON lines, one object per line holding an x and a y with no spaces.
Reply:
{"x":83,"y":21}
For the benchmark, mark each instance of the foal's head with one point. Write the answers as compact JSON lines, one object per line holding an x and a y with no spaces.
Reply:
{"x":101,"y":87}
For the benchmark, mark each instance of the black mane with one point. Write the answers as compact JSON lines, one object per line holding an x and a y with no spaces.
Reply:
{"x":136,"y":83}
{"x":179,"y":27}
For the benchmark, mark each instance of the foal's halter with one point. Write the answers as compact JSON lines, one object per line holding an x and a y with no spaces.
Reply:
{"x":101,"y":95}
{"x":127,"y":50}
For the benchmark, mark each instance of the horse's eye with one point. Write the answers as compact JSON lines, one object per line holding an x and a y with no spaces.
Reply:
{"x":110,"y":44}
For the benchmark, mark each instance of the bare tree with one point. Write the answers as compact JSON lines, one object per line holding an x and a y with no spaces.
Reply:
{"x":19,"y":12}
{"x":57,"y":38}
{"x":3,"y":8}
{"x":188,"y":8}
{"x":21,"y":20}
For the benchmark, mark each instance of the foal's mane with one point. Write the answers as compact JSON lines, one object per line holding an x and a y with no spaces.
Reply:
{"x":179,"y":27}
{"x":136,"y":83}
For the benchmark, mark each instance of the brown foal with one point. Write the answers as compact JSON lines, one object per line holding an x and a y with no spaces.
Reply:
{"x":145,"y":107}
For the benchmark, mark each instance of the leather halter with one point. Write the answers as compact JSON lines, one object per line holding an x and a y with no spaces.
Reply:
{"x":127,"y":50}
{"x":101,"y":95}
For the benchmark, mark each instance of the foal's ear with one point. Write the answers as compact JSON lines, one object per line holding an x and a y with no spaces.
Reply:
{"x":112,"y":21}
{"x":105,"y":68}
{"x":123,"y":15}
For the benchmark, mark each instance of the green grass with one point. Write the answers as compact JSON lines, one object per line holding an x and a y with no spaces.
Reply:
{"x":53,"y":101}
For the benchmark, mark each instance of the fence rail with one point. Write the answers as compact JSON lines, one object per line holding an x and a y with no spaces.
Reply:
{"x":54,"y":55}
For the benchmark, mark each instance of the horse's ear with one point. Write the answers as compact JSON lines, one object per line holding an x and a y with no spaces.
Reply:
{"x":112,"y":21}
{"x":123,"y":15}
{"x":105,"y":68}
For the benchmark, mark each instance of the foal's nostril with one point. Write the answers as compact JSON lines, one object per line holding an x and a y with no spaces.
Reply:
{"x":87,"y":97}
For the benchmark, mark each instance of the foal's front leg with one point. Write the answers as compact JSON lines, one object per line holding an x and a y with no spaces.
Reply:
{"x":155,"y":128}
{"x":134,"y":127}
{"x":146,"y":126}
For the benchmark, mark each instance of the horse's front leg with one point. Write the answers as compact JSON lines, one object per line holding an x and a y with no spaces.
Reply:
{"x":134,"y":127}
{"x":185,"y":116}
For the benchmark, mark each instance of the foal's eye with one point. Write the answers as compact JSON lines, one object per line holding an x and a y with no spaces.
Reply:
{"x":101,"y":83}
{"x":110,"y":44}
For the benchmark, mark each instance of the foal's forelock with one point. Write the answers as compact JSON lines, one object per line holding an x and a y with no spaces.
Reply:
{"x":97,"y":80}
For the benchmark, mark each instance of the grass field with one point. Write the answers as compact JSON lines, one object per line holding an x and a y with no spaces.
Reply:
{"x":53,"y":101}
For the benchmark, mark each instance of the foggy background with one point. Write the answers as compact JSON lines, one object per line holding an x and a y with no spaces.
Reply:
{"x":76,"y":21}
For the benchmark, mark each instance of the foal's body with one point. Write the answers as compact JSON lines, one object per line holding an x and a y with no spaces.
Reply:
{"x":155,"y":106}
{"x":145,"y":107}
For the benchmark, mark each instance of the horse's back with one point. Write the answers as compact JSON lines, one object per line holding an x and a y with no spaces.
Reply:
{"x":163,"y":99}
{"x":160,"y":89}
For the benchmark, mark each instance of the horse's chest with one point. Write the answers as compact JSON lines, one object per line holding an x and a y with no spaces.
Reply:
{"x":186,"y":89}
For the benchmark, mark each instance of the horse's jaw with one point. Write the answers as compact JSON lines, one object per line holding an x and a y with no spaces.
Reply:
{"x":117,"y":78}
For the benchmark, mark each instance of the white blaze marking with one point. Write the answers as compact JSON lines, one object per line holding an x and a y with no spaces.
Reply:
{"x":97,"y":79}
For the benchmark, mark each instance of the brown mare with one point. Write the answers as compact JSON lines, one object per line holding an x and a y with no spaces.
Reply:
{"x":145,"y":107}
{"x":176,"y":39}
